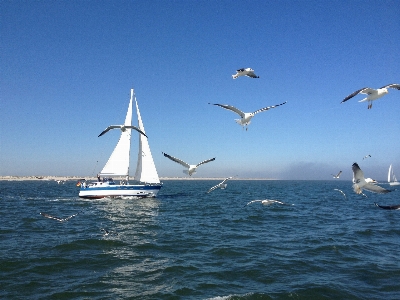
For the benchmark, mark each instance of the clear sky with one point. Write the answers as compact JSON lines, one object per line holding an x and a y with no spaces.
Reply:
{"x":67,"y":68}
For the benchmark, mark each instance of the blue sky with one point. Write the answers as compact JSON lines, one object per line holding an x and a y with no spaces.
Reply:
{"x":67,"y":68}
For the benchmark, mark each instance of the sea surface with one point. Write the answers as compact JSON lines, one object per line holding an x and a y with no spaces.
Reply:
{"x":189,"y":244}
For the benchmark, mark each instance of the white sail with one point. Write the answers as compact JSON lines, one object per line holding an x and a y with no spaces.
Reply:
{"x":391,"y":177}
{"x":145,"y":170}
{"x":118,"y":163}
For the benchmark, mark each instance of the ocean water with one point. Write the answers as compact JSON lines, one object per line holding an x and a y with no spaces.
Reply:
{"x":187,"y":244}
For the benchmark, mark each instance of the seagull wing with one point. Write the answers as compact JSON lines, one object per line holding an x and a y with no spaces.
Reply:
{"x":254,"y":201}
{"x":205,"y":161}
{"x":213,"y":188}
{"x":341,"y":192}
{"x":51,"y":217}
{"x":177,"y":160}
{"x":354,"y":94}
{"x":392,"y":85}
{"x":375,"y":188}
{"x":240,"y":70}
{"x":137,"y":129}
{"x":388,"y":206}
{"x":340,"y":172}
{"x":109,"y":128}
{"x":225,"y":180}
{"x":66,"y":219}
{"x":358,"y":174}
{"x":268,"y":107}
{"x":232,"y":108}
{"x":252,"y":75}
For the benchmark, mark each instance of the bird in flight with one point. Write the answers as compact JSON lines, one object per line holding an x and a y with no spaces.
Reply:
{"x":373,"y":94}
{"x":341,"y":192}
{"x":190,"y":168}
{"x":245,"y":118}
{"x":360,"y":183}
{"x":249,"y":72}
{"x":58,"y":219}
{"x":123,"y":129}
{"x":222,"y":185}
{"x":337,"y":175}
{"x":267,"y":202}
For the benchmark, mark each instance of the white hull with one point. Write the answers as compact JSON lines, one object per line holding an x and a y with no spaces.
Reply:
{"x":95,"y":191}
{"x":394,"y":183}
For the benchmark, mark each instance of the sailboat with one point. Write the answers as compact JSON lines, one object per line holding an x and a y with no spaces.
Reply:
{"x":146,"y":180}
{"x":391,"y":177}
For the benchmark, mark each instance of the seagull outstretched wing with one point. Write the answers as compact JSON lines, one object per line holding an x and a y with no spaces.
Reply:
{"x":120,"y":127}
{"x":393,"y":207}
{"x":58,"y":219}
{"x":205,"y":161}
{"x":231,"y":108}
{"x":392,"y":85}
{"x":355,"y":94}
{"x":252,"y":75}
{"x":267,"y":108}
{"x":219,"y":184}
{"x":177,"y":160}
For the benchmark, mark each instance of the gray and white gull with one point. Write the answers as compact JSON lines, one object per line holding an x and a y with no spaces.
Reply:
{"x":373,"y":94}
{"x":190,"y":168}
{"x":360,"y":183}
{"x":245,"y":118}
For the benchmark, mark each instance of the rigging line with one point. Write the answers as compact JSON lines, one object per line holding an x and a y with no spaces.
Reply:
{"x":94,"y":168}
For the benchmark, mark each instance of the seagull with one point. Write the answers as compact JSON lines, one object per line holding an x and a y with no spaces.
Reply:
{"x":338,"y":175}
{"x":222,"y":185}
{"x":59,"y":219}
{"x":249,"y":72}
{"x":245,"y":118}
{"x":372,"y":93}
{"x":267,"y":202}
{"x":191,"y":168}
{"x":341,"y":192}
{"x":123,"y":129}
{"x":361,"y":183}
{"x":366,"y":156}
{"x":393,"y":207}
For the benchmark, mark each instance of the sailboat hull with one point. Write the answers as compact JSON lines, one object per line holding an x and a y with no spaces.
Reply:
{"x":119,"y":191}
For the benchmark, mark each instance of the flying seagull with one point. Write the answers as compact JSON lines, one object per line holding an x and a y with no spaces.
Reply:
{"x":341,"y":192}
{"x":338,"y":175}
{"x":59,"y":219}
{"x":393,"y":207}
{"x":360,"y":183}
{"x":366,"y":156}
{"x":191,"y":168}
{"x":372,"y":93}
{"x":123,"y":129}
{"x":245,"y":118}
{"x":222,"y":185}
{"x":267,"y":202}
{"x":249,"y":72}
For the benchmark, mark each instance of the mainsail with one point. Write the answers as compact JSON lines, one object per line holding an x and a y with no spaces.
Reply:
{"x":118,"y":163}
{"x":391,"y":176}
{"x":145,"y":170}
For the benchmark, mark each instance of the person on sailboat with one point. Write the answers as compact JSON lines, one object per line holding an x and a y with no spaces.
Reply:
{"x":98,"y":178}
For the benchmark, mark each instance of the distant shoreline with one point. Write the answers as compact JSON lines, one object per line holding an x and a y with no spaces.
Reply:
{"x":69,"y":178}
